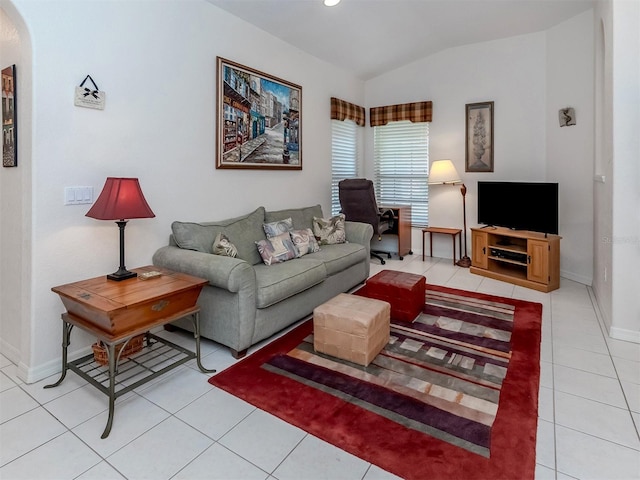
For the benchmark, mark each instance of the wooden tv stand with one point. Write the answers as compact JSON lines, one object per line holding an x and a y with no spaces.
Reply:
{"x":528,"y":259}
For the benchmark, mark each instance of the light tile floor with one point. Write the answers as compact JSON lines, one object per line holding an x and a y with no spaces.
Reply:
{"x":180,"y":427}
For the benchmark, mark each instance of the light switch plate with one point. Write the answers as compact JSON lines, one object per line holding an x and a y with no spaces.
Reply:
{"x":78,"y":195}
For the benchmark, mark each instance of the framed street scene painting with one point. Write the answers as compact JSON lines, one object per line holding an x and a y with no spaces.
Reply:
{"x":258,"y":119}
{"x":9,"y":123}
{"x":479,"y":137}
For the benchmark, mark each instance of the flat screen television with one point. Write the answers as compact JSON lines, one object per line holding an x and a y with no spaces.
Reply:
{"x":519,"y":205}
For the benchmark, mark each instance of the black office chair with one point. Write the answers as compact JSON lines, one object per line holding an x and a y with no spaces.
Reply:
{"x":358,"y":203}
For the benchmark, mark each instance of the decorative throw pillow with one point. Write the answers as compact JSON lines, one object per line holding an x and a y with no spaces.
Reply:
{"x":304,"y":241}
{"x":274,"y":229}
{"x":330,"y":230}
{"x":222,"y":246}
{"x":277,"y":249}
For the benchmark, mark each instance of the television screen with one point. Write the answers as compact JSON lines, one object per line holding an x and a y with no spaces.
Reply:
{"x":519,"y":205}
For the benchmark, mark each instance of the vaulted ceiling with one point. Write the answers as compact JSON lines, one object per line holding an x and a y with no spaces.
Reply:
{"x":370,"y":37}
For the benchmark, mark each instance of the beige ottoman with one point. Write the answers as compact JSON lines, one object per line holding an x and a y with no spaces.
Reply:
{"x":351,"y":327}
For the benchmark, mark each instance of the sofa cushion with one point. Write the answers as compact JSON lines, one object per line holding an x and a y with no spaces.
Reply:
{"x":283,"y":280}
{"x":277,"y":249}
{"x":276,"y":228}
{"x":242,"y":231}
{"x":339,"y":256}
{"x":304,"y":241}
{"x":301,"y":217}
{"x":222,"y":246}
{"x":330,"y":231}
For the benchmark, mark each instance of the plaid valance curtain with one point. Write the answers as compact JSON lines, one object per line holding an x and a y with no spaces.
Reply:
{"x":341,"y":110}
{"x":414,"y":112}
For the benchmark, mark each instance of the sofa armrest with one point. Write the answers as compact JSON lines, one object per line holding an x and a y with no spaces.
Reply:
{"x":358,"y":232}
{"x":229,"y":273}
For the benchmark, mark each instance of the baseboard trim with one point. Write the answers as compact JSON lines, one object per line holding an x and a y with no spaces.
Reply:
{"x":52,"y":367}
{"x":9,"y":351}
{"x":583,"y":279}
{"x":624,"y":334}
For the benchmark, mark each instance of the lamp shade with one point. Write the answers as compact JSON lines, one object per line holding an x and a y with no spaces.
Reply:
{"x":443,"y":171}
{"x":120,"y":199}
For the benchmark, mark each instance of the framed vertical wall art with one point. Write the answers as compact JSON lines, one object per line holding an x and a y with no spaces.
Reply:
{"x":9,"y":118}
{"x":479,"y":137}
{"x":259,"y":119}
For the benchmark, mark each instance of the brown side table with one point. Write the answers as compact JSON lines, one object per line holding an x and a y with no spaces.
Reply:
{"x":116,"y":312}
{"x":447,"y":231}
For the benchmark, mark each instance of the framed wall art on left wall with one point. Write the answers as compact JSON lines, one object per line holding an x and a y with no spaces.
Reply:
{"x":9,"y":118}
{"x":259,"y":119}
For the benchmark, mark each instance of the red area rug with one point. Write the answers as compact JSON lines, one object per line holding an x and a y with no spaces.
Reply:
{"x":454,"y":395}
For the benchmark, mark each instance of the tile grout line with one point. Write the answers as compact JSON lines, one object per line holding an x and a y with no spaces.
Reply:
{"x":596,"y":308}
{"x":553,"y":391}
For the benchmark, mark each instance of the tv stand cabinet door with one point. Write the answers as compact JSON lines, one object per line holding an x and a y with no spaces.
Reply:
{"x":480,"y":249}
{"x":538,"y":259}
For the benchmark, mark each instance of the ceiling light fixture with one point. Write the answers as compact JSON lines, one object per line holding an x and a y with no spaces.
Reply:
{"x":331,"y":3}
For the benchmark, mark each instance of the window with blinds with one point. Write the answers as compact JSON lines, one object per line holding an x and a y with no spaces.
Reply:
{"x":401,"y":151}
{"x":344,"y":157}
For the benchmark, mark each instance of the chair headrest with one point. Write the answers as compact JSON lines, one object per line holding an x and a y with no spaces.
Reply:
{"x":355,"y":184}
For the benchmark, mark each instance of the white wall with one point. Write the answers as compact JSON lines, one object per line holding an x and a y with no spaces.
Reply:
{"x":570,"y":150}
{"x":625,"y":241}
{"x":15,"y":197}
{"x":511,"y":73}
{"x":603,"y":190}
{"x":617,"y":199}
{"x":156,"y":63}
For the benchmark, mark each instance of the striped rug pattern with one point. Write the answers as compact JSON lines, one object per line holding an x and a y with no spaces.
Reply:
{"x":440,"y":375}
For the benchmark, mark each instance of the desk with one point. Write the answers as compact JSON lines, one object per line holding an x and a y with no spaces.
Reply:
{"x":116,"y":312}
{"x":447,"y":231}
{"x":402,"y":228}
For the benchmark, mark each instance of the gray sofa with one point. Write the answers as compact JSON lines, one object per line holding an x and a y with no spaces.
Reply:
{"x":246,"y":300}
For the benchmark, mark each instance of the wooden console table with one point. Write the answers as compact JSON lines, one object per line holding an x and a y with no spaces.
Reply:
{"x":116,"y":312}
{"x":402,"y":228}
{"x":528,"y":259}
{"x":447,"y":231}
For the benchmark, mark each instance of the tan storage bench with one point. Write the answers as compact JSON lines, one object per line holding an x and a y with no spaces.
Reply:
{"x":351,"y":327}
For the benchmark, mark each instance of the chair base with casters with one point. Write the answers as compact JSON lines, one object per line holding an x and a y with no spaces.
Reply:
{"x":358,"y":204}
{"x":377,"y":254}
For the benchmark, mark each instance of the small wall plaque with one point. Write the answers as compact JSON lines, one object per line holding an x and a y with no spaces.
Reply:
{"x":567,"y":117}
{"x":87,"y":97}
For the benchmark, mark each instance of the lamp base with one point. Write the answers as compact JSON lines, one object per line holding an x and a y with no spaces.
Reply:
{"x":464,"y":262}
{"x":122,"y":274}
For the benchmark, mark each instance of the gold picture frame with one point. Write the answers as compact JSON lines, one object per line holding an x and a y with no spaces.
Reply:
{"x":479,"y":137}
{"x":259,"y":119}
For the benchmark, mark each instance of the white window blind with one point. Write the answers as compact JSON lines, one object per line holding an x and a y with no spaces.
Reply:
{"x":344,"y":157}
{"x":401,"y":151}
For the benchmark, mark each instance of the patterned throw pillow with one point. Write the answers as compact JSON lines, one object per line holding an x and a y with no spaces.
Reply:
{"x":222,"y":246}
{"x":304,"y":241}
{"x":330,"y":230}
{"x":276,"y":228}
{"x":277,"y":249}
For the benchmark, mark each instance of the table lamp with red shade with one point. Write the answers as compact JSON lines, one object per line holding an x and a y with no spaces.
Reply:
{"x":121,"y":199}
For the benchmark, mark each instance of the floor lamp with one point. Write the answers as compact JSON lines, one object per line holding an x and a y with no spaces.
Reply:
{"x":444,"y":173}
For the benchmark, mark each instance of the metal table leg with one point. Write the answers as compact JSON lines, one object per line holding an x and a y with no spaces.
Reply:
{"x":111,"y":350}
{"x":66,"y":336}
{"x":195,"y":318}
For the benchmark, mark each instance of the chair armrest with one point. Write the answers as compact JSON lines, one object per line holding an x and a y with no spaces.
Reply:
{"x":229,"y":273}
{"x":387,"y":213}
